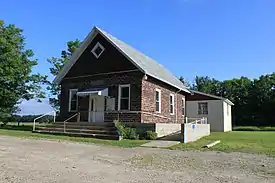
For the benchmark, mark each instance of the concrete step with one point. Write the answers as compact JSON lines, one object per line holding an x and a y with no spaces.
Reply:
{"x":87,"y":124}
{"x":74,"y":134}
{"x":75,"y":126}
{"x":82,"y":130}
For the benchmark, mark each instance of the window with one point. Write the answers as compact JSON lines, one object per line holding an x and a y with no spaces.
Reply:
{"x":73,"y":100}
{"x":98,"y":50}
{"x":202,"y":108}
{"x":158,"y":101}
{"x":183,"y":106}
{"x":124,"y":97}
{"x":172,"y":101}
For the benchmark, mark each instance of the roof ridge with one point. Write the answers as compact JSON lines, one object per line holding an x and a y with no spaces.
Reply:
{"x":177,"y":83}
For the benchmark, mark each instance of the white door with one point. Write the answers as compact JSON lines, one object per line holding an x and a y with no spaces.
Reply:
{"x":96,"y":108}
{"x":91,"y":109}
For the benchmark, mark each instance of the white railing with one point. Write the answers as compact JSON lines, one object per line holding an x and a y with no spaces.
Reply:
{"x":202,"y":120}
{"x":54,"y":116}
{"x":64,"y":122}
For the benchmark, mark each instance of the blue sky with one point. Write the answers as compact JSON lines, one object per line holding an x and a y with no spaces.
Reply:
{"x":217,"y":38}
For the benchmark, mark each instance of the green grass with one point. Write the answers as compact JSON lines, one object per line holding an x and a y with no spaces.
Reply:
{"x":254,"y":128}
{"x":25,"y":131}
{"x":250,"y":142}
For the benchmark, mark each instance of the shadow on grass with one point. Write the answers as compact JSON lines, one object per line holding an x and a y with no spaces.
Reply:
{"x":21,"y":127}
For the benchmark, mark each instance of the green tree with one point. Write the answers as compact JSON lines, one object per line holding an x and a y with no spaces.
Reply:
{"x":17,"y":81}
{"x":254,"y":99}
{"x":184,"y":81}
{"x":207,"y":85}
{"x":56,"y":65}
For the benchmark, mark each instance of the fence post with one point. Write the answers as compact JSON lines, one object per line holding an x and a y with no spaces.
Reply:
{"x":186,"y":119}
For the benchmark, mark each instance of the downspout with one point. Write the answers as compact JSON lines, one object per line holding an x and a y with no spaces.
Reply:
{"x":177,"y":105}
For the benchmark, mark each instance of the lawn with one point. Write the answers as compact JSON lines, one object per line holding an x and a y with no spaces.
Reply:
{"x":238,"y":141}
{"x":25,"y":131}
{"x":261,"y":142}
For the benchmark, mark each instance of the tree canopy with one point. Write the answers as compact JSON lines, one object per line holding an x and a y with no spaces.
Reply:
{"x":16,"y":62}
{"x":254,"y":99}
{"x":56,"y":65}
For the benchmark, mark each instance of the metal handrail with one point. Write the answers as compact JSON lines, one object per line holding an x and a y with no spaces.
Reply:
{"x":54,"y":116}
{"x":64,"y":122}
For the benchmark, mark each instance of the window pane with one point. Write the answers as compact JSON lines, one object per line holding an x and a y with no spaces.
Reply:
{"x":171,"y":108}
{"x":73,"y":106}
{"x":125,"y":92}
{"x":183,"y":111}
{"x":157,"y":96}
{"x":203,"y":108}
{"x":98,"y":50}
{"x":124,"y":104}
{"x":171,"y":99}
{"x":157,"y":106}
{"x":73,"y":95}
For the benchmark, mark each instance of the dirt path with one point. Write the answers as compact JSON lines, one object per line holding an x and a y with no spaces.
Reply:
{"x":33,"y":161}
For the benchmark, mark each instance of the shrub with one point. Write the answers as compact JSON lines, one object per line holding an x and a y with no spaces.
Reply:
{"x":268,"y":128}
{"x":253,"y":128}
{"x":130,"y":133}
{"x":126,"y":132}
{"x":120,"y":127}
{"x":150,"y":135}
{"x":246,"y":128}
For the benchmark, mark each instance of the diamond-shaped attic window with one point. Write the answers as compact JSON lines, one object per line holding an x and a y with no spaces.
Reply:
{"x":98,"y":50}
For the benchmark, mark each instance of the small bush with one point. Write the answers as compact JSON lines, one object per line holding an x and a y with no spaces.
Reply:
{"x":150,"y":135}
{"x":120,"y":127}
{"x":126,"y":132}
{"x":130,"y":133}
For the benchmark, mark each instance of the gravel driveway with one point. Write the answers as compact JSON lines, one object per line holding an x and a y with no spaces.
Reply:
{"x":32,"y":161}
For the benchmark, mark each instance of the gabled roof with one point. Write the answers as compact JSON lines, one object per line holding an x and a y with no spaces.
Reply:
{"x":146,"y":64}
{"x":213,"y":96}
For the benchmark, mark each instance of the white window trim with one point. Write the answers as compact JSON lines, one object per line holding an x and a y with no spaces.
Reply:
{"x":159,"y":91}
{"x":119,"y":96}
{"x":183,"y":103}
{"x":173,"y":99}
{"x":95,"y":47}
{"x":70,"y":100}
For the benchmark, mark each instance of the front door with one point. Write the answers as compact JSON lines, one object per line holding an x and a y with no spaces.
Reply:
{"x":96,"y":108}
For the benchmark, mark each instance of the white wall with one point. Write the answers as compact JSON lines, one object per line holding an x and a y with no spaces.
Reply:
{"x":193,"y":132}
{"x":227,"y":117}
{"x":163,"y":129}
{"x":215,"y":115}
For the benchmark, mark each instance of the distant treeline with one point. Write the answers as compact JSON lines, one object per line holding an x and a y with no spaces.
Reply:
{"x":254,"y":99}
{"x":30,"y":118}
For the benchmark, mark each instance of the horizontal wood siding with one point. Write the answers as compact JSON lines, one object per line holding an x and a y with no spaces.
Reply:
{"x":111,"y":60}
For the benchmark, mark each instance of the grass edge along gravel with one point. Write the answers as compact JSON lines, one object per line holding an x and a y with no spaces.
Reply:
{"x":30,"y":135}
{"x":237,"y":141}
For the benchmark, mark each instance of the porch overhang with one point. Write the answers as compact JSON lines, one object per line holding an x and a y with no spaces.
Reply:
{"x":93,"y":91}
